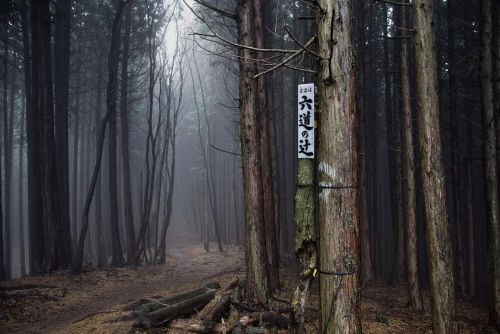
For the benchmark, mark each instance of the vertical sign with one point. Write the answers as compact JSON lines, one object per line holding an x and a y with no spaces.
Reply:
{"x":306,"y":121}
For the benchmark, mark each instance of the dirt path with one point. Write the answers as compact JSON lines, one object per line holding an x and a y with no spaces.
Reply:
{"x":99,"y":296}
{"x":94,"y":301}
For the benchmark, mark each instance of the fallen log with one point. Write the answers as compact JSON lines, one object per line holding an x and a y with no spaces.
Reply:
{"x":134,"y":305}
{"x":156,"y":305}
{"x":217,"y":312}
{"x":206,"y":313}
{"x":244,"y":307}
{"x":170,"y":312}
{"x":232,"y":321}
{"x":193,"y":326}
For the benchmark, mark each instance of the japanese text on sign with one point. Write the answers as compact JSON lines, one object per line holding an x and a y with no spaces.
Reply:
{"x":306,"y":121}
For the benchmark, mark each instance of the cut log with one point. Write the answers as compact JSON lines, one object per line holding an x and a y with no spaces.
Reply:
{"x":193,"y":326}
{"x":217,"y":312}
{"x":231,"y":322}
{"x":156,"y":305}
{"x":170,"y":312}
{"x":206,"y":313}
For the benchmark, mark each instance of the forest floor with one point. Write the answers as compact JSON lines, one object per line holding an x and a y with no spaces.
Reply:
{"x":93,"y":302}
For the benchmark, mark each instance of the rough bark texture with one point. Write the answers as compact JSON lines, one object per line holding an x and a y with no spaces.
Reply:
{"x":409,"y":174}
{"x":490,"y":160}
{"x":255,"y":244}
{"x":496,"y":71}
{"x":43,"y":109}
{"x":337,"y":165}
{"x":436,"y":217}
{"x":265,"y":146}
{"x":363,"y":197}
{"x":305,"y":241}
{"x":61,"y":86}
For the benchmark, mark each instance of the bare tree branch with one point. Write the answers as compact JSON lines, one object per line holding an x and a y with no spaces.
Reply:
{"x":217,"y":10}
{"x":287,"y":60}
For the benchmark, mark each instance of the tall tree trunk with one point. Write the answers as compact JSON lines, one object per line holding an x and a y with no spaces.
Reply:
{"x":265,"y":155}
{"x":409,"y":173}
{"x":490,"y":161}
{"x":436,"y":216}
{"x":363,"y":198}
{"x":255,"y":243}
{"x":76,"y":167}
{"x":305,"y":237}
{"x":3,"y":273}
{"x":43,"y":108}
{"x":113,"y":61}
{"x":496,"y":73}
{"x":7,"y":155}
{"x":206,"y":154}
{"x":61,"y":86}
{"x":34,"y":228}
{"x":337,"y":171}
{"x":116,"y":246}
{"x":455,"y":111}
{"x":127,"y":189}
{"x":22,"y":209}
{"x":101,"y":251}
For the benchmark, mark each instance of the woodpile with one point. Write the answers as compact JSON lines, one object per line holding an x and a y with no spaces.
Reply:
{"x":209,"y":309}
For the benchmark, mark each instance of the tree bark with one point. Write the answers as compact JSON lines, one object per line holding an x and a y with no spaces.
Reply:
{"x":337,"y":171}
{"x":3,"y":273}
{"x":35,"y":229}
{"x":116,"y":246}
{"x":127,"y":192}
{"x":61,"y":86}
{"x":409,"y":173}
{"x":363,"y":198}
{"x":43,"y":108}
{"x":76,"y":167}
{"x":7,"y":154}
{"x":436,"y":216}
{"x":265,"y":155}
{"x":305,"y":242}
{"x":496,"y":73}
{"x":491,"y":173}
{"x":22,"y":256}
{"x":255,"y":243}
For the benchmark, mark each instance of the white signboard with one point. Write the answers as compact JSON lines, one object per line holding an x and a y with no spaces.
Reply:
{"x":306,"y":121}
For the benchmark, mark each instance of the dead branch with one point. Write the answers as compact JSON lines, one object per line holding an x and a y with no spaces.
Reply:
{"x":287,"y":60}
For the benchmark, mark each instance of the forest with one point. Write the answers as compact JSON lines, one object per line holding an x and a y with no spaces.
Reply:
{"x":250,"y":166}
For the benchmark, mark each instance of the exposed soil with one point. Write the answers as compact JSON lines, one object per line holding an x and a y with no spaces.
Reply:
{"x":94,"y":301}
